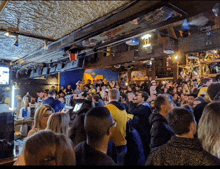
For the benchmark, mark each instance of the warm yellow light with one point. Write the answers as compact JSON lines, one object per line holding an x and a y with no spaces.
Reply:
{"x":147,"y":36}
{"x":176,"y":57}
{"x":10,"y":34}
{"x":147,"y":45}
{"x":7,"y":34}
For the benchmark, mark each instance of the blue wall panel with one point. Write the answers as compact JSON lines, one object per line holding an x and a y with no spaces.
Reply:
{"x":71,"y":77}
{"x":107,"y":73}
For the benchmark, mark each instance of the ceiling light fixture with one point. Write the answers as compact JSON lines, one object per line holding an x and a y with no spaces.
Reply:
{"x":169,"y":47}
{"x":9,"y":34}
{"x":16,"y":41}
{"x":45,"y":44}
{"x":117,"y":66}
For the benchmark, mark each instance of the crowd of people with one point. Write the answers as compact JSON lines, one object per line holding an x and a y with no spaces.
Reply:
{"x":153,"y":123}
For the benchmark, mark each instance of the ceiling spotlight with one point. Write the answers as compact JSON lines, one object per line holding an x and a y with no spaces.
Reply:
{"x":176,"y":57}
{"x":7,"y":34}
{"x":45,"y":44}
{"x":10,"y":34}
{"x":16,"y":42}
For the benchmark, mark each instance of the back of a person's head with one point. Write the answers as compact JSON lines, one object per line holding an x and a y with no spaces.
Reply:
{"x":97,"y":123}
{"x":87,"y":104}
{"x":186,"y":106}
{"x":179,"y":119}
{"x":114,"y":94}
{"x":77,"y":132}
{"x":40,"y":112}
{"x":217,"y":97}
{"x":95,"y":97}
{"x":124,"y":96}
{"x":58,"y":123}
{"x":145,"y":95}
{"x":201,"y":99}
{"x":209,"y":125}
{"x":217,"y":78}
{"x":213,"y":90}
{"x":89,"y":97}
{"x":198,"y":110}
{"x":51,"y":92}
{"x":205,"y":80}
{"x":48,"y":148}
{"x":160,"y":100}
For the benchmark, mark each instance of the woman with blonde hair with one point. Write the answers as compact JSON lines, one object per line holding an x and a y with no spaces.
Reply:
{"x":58,"y":123}
{"x":47,"y":148}
{"x":209,"y":128}
{"x":40,"y":118}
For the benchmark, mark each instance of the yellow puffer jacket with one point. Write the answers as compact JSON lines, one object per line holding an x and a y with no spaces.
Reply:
{"x":121,"y":116}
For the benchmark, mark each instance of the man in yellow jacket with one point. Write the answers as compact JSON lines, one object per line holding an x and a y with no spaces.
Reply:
{"x":120,"y":115}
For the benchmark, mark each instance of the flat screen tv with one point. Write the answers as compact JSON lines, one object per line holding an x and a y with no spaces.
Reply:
{"x":4,"y":76}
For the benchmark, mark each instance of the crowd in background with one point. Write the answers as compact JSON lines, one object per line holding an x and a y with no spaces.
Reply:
{"x":152,"y":123}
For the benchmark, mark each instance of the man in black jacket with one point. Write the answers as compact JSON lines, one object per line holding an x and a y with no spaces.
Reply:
{"x":98,"y":125}
{"x":183,"y":149}
{"x":141,"y":120}
{"x":160,"y":131}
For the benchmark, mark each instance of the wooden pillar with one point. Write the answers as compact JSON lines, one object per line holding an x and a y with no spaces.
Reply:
{"x":153,"y":70}
{"x":129,"y":76}
{"x":175,"y":71}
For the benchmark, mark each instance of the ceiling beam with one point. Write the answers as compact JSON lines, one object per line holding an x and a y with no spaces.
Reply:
{"x":2,"y":6}
{"x":171,"y":32}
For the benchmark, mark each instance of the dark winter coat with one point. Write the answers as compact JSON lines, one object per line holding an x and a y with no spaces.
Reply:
{"x":181,"y":152}
{"x":87,"y":155}
{"x":198,"y":111}
{"x":135,"y":154}
{"x":160,"y":131}
{"x":141,"y":124}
